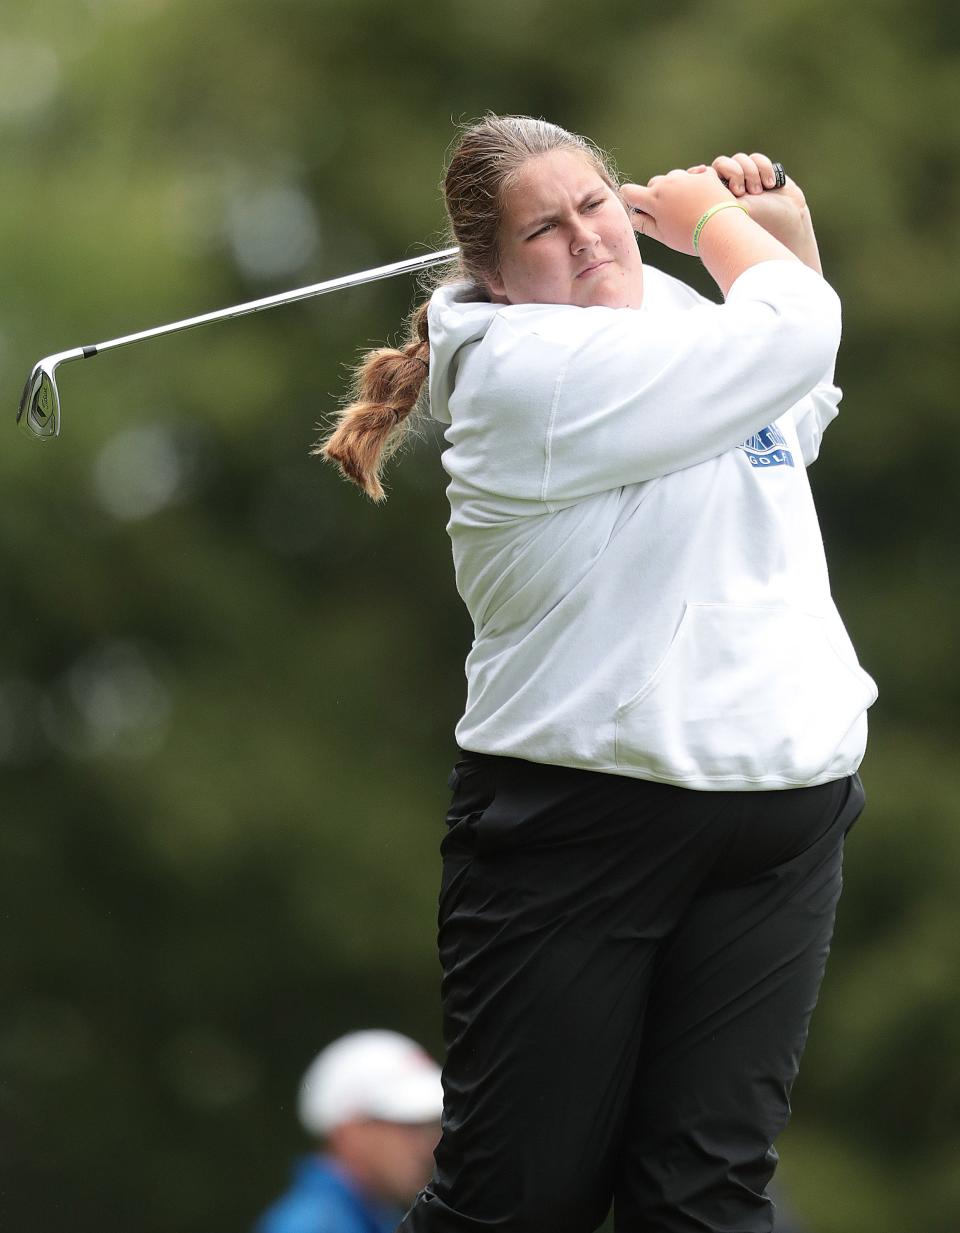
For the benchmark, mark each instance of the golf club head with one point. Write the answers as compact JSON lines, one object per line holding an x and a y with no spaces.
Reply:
{"x":39,"y":413}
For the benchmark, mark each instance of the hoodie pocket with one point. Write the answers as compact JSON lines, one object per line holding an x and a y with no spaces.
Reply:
{"x":745,"y":694}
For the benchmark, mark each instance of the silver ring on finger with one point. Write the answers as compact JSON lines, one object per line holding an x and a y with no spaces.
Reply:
{"x":780,"y":174}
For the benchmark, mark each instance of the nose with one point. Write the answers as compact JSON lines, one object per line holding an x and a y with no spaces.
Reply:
{"x":582,"y":237}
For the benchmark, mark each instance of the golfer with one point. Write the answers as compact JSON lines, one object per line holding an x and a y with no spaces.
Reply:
{"x":664,"y":714}
{"x":371,"y":1102}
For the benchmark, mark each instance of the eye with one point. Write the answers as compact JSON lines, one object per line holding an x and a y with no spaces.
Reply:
{"x":593,"y":205}
{"x":540,"y":231}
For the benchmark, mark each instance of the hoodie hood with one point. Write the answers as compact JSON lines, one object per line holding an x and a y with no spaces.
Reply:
{"x":456,"y":321}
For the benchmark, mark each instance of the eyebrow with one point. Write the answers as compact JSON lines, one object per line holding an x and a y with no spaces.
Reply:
{"x":552,"y":217}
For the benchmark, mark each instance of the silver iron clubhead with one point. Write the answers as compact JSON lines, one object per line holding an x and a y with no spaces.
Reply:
{"x":39,"y":412}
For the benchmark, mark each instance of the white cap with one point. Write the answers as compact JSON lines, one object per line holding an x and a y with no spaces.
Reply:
{"x":375,"y":1074}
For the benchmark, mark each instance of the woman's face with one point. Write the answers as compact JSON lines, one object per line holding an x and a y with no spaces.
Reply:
{"x":565,"y":238}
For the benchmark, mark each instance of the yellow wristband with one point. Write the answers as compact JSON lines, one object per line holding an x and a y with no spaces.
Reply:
{"x":708,"y":214}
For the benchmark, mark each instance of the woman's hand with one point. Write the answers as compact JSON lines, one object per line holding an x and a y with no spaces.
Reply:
{"x":782,"y":211}
{"x":668,"y":208}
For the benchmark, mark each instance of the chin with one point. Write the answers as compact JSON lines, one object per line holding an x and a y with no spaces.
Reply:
{"x":617,"y":292}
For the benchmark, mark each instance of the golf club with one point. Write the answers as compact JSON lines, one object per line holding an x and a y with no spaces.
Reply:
{"x":39,"y":411}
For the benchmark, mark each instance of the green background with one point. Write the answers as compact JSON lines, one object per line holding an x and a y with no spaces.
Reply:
{"x":228,"y":683}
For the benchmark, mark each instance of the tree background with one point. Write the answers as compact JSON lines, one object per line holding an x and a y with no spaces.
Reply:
{"x":228,"y":684}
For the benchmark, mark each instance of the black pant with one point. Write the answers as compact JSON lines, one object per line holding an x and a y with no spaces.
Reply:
{"x":629,"y":970}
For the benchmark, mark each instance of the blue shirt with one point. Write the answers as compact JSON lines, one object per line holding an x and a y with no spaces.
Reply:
{"x":323,"y":1199}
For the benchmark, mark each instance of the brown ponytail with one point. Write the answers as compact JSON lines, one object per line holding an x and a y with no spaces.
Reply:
{"x":386,"y":387}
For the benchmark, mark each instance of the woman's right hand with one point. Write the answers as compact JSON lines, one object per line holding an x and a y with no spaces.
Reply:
{"x":670,"y":206}
{"x":781,"y":211}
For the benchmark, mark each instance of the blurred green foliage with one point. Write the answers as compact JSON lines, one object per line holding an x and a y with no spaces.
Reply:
{"x":228,"y":684}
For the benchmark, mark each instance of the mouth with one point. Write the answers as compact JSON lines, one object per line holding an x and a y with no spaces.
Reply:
{"x":591,"y":269}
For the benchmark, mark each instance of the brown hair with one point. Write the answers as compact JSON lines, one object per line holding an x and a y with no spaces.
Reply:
{"x":388,"y":381}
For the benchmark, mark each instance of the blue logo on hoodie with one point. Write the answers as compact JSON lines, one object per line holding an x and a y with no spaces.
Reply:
{"x":768,"y":448}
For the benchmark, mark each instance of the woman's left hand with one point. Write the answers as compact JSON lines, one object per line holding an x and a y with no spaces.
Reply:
{"x":782,"y":211}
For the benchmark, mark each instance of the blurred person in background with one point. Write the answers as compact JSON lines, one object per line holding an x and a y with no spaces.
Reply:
{"x":665,"y":714}
{"x":372,"y":1101}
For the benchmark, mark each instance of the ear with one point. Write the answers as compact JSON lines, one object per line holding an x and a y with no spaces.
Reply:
{"x":498,"y":292}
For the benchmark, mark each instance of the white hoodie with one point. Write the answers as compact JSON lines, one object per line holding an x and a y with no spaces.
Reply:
{"x":634,"y":534}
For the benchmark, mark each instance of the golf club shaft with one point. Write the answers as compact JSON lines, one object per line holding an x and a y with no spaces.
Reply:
{"x":273,"y":301}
